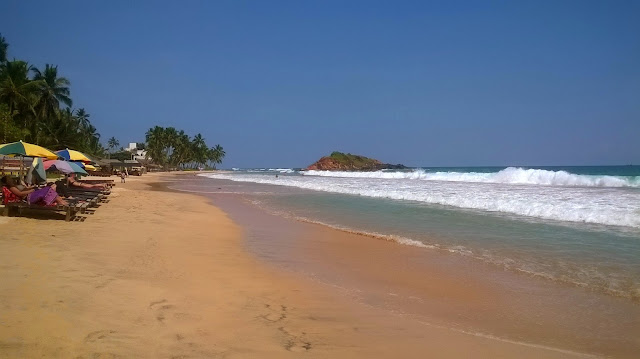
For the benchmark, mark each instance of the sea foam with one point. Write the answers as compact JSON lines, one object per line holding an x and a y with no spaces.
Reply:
{"x":501,"y":192}
{"x":510,"y":175}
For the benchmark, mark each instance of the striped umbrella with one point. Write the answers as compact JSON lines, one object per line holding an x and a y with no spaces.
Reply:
{"x":88,"y":167}
{"x":73,"y":155}
{"x":26,"y":150}
{"x":64,"y":167}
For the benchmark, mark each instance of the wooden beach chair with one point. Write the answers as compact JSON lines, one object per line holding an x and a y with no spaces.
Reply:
{"x":12,"y":208}
{"x":70,"y":211}
{"x":91,"y":197}
{"x":108,"y":182}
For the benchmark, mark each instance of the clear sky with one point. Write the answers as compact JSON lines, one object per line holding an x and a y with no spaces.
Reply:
{"x":281,"y":83}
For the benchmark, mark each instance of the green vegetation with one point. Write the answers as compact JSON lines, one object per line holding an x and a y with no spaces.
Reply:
{"x":171,"y":148}
{"x":356,"y":161}
{"x":35,"y":106}
{"x":120,"y":155}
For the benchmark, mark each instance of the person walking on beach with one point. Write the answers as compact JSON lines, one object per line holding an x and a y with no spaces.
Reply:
{"x":122,"y":177}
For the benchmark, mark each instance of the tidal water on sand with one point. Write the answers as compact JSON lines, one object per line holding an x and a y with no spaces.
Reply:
{"x":575,"y":225}
{"x":546,"y":256}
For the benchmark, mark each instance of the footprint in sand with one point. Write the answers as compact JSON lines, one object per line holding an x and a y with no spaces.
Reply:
{"x":164,"y":309}
{"x":274,"y":314}
{"x":291,"y":341}
{"x":295,"y":343}
{"x":98,"y":335}
{"x":161,"y":307}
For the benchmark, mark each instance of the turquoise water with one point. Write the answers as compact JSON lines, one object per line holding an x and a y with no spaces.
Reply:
{"x":575,"y":225}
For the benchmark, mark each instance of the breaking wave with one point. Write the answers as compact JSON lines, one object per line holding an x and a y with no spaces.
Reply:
{"x":510,"y":175}
{"x":586,"y":204}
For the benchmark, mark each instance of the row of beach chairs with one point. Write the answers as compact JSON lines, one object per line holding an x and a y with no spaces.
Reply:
{"x":83,"y":200}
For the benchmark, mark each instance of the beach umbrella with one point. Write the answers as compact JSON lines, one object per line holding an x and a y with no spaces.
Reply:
{"x":88,"y":167}
{"x":38,"y":168}
{"x":64,"y":167}
{"x":73,"y":155}
{"x":25,"y":149}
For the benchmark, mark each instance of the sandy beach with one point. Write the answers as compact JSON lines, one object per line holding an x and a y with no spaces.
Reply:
{"x":163,"y":274}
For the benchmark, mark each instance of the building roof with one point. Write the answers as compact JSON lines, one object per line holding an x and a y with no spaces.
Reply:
{"x":109,"y":162}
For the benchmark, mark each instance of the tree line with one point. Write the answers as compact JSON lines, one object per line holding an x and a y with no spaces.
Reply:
{"x":171,"y":148}
{"x":36,"y":106}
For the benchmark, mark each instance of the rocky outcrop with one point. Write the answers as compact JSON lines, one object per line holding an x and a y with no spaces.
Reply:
{"x":339,"y":161}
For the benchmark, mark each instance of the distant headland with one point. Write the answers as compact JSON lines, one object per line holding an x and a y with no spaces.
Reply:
{"x":339,"y":161}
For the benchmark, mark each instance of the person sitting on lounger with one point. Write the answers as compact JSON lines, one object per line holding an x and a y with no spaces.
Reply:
{"x":24,"y":185}
{"x":72,"y":182}
{"x":46,"y":195}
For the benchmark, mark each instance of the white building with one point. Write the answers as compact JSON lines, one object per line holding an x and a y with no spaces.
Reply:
{"x":136,"y":154}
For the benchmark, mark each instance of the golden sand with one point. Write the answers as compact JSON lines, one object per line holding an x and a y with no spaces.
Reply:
{"x":156,"y":274}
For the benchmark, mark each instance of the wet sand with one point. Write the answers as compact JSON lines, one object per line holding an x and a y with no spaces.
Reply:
{"x":432,"y":286}
{"x":158,"y":274}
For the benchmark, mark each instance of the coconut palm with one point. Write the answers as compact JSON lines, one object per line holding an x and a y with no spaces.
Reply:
{"x":112,"y":143}
{"x":83,"y":117}
{"x":4,"y":46}
{"x":216,"y":154}
{"x":52,"y":91}
{"x":30,"y":108}
{"x":156,"y":144}
{"x":199,"y":149}
{"x":60,"y":130}
{"x":17,"y":90}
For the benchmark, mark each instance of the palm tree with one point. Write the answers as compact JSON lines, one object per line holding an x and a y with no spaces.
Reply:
{"x":216,"y":154}
{"x":182,"y":151}
{"x":52,"y":91}
{"x":11,"y":132}
{"x":112,"y":143}
{"x":199,"y":149}
{"x":155,"y":147}
{"x":88,"y":137}
{"x":30,"y":107}
{"x":60,"y":131}
{"x":83,"y":117}
{"x":4,"y":46}
{"x":92,"y":144}
{"x":17,"y":90}
{"x":169,"y":147}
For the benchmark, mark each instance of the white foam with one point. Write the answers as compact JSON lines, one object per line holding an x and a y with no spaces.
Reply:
{"x":281,"y":170}
{"x":605,"y":205}
{"x":510,"y":175}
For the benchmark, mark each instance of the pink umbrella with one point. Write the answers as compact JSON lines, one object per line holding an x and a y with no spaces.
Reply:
{"x":64,"y":167}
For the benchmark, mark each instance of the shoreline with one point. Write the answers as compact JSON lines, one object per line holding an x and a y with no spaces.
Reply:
{"x":437,"y":288}
{"x":166,"y":274}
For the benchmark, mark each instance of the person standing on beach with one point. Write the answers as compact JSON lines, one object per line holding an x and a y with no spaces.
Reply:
{"x":122,"y":177}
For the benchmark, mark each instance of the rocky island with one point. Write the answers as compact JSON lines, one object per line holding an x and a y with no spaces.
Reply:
{"x":339,"y":161}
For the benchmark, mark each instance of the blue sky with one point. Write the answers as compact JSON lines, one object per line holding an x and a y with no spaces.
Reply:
{"x":281,"y":83}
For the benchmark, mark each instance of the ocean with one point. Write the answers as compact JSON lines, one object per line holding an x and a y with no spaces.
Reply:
{"x":578,"y":226}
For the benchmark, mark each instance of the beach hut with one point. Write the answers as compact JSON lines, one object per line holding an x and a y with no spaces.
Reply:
{"x":109,"y":165}
{"x":133,"y":167}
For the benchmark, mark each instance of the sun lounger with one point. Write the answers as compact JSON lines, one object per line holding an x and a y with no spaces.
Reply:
{"x":91,"y":197}
{"x":105,"y":192}
{"x":108,"y":182}
{"x":101,"y":173}
{"x":13,"y":208}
